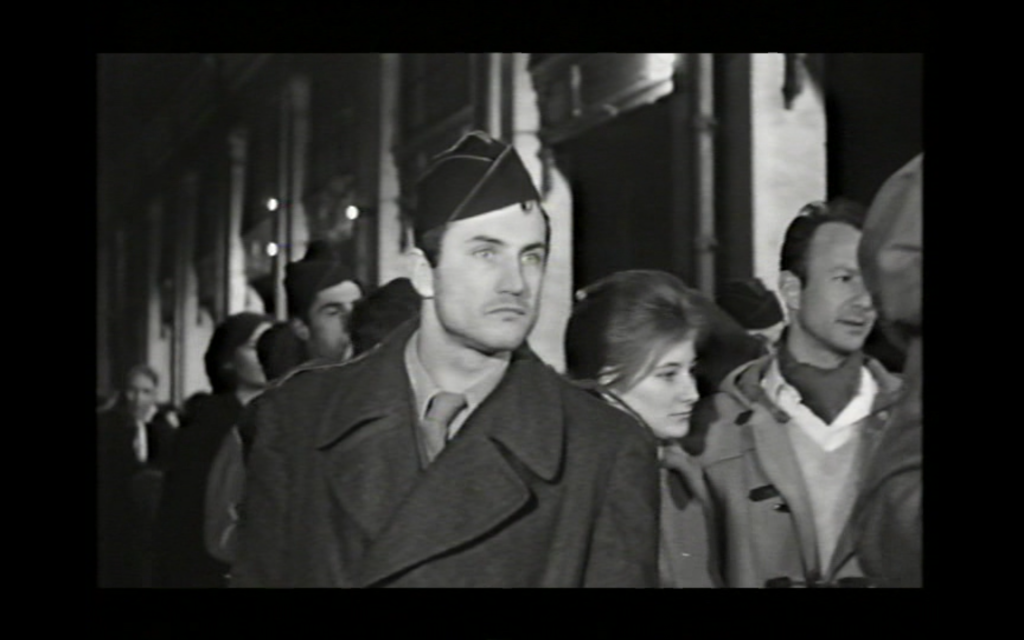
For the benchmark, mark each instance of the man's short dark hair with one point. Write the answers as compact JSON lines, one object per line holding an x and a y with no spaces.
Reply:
{"x":802,"y":230}
{"x":429,"y":241}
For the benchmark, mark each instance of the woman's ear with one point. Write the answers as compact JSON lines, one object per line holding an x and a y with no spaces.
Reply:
{"x":422,"y":274}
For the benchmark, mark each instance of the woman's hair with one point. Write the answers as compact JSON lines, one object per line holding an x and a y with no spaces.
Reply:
{"x":230,"y":334}
{"x":620,"y":323}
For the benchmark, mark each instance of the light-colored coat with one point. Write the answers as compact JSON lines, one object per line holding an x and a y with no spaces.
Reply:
{"x":762,"y":526}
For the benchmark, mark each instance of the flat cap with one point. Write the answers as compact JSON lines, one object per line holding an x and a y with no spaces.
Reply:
{"x":750,"y":303}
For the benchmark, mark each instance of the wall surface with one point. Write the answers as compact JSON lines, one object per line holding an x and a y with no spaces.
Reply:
{"x":787,"y":157}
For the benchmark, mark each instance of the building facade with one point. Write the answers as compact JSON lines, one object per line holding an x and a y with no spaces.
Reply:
{"x":689,"y":163}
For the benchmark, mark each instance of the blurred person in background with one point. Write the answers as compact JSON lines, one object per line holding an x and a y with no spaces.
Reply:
{"x":135,"y":439}
{"x":756,"y":308}
{"x":381,"y":312}
{"x":280,"y":350}
{"x":321,"y":291}
{"x":889,"y":513}
{"x":236,"y":377}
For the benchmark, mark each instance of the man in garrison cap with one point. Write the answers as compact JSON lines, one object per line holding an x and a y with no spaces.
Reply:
{"x":450,"y":455}
{"x":321,"y":291}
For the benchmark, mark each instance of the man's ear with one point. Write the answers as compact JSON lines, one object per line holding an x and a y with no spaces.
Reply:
{"x":299,"y":328}
{"x":790,"y":288}
{"x":422,"y":274}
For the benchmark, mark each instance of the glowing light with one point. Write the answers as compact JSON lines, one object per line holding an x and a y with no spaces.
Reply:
{"x":351,"y":212}
{"x":272,"y":249}
{"x":272,"y":204}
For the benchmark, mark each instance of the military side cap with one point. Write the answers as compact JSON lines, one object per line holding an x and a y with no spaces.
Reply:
{"x":750,"y":303}
{"x":318,"y":270}
{"x":477,"y":175}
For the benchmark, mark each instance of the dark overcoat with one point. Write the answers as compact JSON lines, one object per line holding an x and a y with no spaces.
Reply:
{"x":127,"y":493}
{"x":182,"y":560}
{"x":545,"y":486}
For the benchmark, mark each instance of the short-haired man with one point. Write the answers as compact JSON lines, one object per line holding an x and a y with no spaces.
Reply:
{"x":451,"y":456}
{"x":795,"y":429}
{"x":320,"y":292}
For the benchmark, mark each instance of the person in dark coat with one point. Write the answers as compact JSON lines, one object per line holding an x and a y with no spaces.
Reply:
{"x":889,"y":513}
{"x":236,"y":378}
{"x":135,"y":438}
{"x":451,"y":456}
{"x":280,"y":350}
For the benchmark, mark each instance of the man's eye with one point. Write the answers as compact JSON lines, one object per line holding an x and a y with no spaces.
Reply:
{"x":486,"y":254}
{"x":533,"y":258}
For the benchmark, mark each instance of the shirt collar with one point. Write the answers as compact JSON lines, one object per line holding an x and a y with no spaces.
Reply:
{"x":786,"y":396}
{"x":424,"y":387}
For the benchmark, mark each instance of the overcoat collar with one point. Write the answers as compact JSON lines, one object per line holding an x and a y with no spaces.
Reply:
{"x":477,"y":482}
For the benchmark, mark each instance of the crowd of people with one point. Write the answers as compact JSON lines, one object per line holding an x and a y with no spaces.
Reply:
{"x":409,"y":437}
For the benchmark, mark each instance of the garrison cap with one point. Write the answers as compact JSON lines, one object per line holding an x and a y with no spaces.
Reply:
{"x":318,"y":270}
{"x":477,"y":175}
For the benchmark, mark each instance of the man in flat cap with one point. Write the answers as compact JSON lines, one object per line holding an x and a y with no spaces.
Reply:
{"x":795,"y":429}
{"x":450,"y":455}
{"x":756,"y":308}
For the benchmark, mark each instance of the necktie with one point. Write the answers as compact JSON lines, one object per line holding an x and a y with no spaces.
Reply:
{"x":442,"y":409}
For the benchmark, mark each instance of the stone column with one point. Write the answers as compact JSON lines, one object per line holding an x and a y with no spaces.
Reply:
{"x":157,"y":348}
{"x":391,"y":262}
{"x":298,"y":229}
{"x":547,"y":338}
{"x":235,"y":254}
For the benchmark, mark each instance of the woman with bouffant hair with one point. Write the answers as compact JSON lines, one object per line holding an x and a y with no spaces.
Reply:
{"x":638,"y":340}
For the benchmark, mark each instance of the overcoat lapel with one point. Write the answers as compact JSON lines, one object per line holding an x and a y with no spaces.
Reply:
{"x":478,"y":481}
{"x":366,"y":440}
